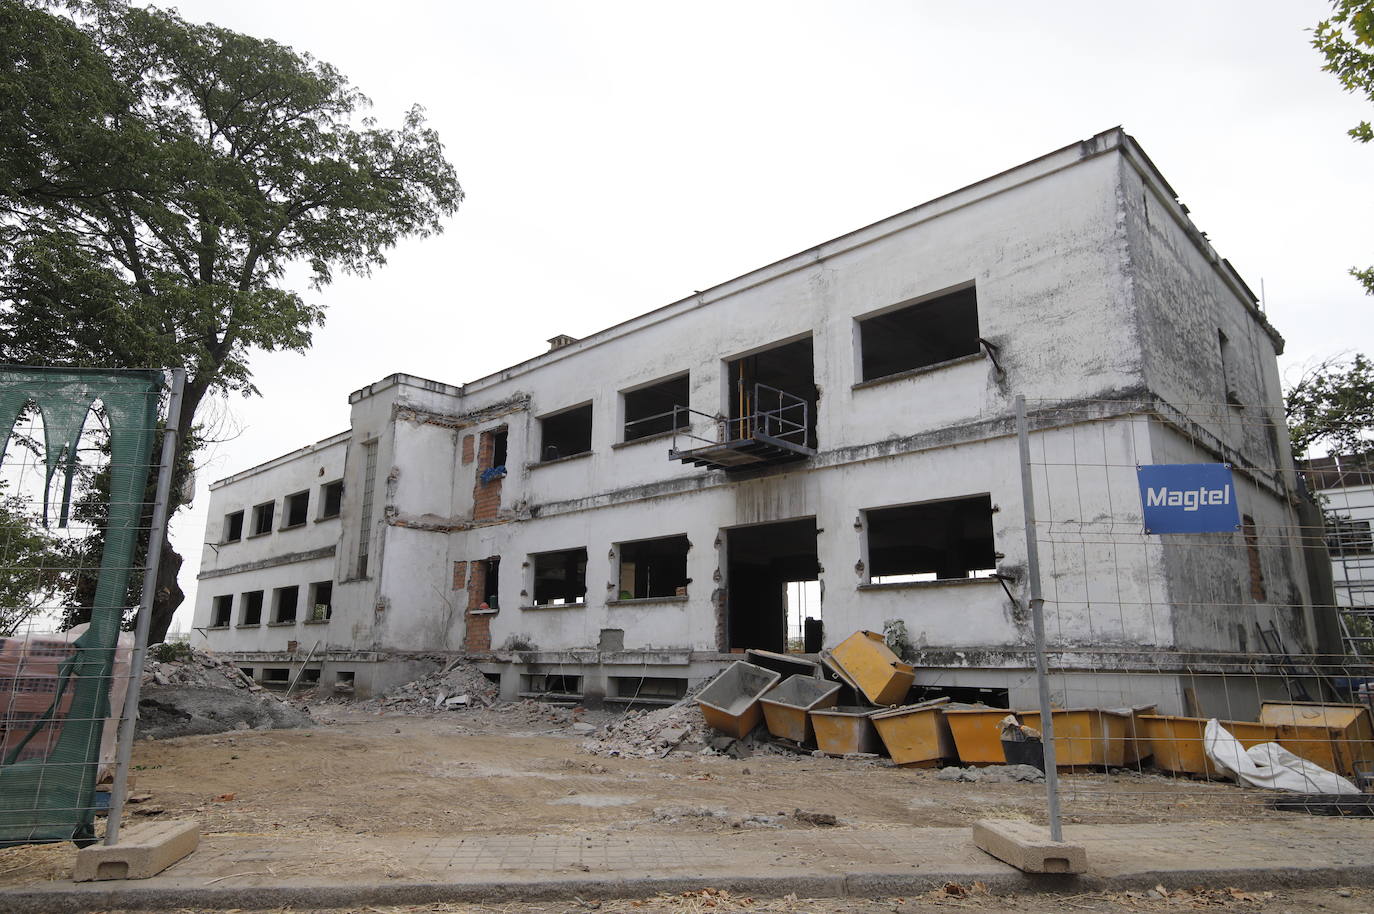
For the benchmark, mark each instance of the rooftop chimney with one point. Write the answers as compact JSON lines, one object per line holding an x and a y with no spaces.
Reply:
{"x":558,"y":342}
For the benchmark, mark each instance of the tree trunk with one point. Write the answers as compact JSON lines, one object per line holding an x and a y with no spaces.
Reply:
{"x":168,"y":596}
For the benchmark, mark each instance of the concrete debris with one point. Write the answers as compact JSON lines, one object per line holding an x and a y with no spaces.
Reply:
{"x":823,"y":819}
{"x":204,"y":694}
{"x":653,"y":734}
{"x":993,"y":774}
{"x":457,"y":687}
{"x":677,"y":815}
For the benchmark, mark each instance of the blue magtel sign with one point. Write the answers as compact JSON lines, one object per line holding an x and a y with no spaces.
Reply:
{"x":1188,"y":498}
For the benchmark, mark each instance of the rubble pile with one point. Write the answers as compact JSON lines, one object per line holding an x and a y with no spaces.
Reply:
{"x":653,"y":734}
{"x":200,"y":693}
{"x":201,"y":668}
{"x":458,"y":687}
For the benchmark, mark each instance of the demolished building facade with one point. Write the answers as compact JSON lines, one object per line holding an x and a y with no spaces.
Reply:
{"x":822,"y":445}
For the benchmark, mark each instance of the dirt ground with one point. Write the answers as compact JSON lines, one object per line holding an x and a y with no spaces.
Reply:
{"x":952,"y":898}
{"x":362,"y":774}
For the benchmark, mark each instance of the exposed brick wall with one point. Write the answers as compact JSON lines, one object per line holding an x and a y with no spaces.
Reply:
{"x":460,"y":575}
{"x":477,"y":584}
{"x":478,"y":634}
{"x":467,"y":449}
{"x":486,"y":499}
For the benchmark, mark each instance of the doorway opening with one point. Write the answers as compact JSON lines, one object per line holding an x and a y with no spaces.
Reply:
{"x":773,"y":591}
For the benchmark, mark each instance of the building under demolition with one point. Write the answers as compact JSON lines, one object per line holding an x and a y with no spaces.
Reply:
{"x":822,"y":445}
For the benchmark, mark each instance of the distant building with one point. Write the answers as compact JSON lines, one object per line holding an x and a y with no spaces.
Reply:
{"x":818,"y":446}
{"x":1344,"y":487}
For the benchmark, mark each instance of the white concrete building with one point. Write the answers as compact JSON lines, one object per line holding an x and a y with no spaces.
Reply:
{"x":1344,"y":486}
{"x":842,"y":454}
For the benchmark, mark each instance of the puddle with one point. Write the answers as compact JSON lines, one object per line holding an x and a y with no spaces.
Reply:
{"x":594,"y":799}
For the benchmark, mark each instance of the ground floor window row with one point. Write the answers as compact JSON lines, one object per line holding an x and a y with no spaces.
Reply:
{"x":282,"y":606}
{"x":943,"y":540}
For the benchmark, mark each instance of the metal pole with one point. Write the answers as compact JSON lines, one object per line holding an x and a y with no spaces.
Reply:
{"x":156,"y":533}
{"x":1037,"y":613}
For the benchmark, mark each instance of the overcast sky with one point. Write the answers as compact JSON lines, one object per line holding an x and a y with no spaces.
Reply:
{"x":618,"y":156}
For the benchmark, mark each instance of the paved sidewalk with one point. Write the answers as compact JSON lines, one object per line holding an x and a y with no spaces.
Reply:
{"x":248,"y":871}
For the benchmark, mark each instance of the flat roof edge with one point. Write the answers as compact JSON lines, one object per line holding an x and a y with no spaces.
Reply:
{"x":337,"y":438}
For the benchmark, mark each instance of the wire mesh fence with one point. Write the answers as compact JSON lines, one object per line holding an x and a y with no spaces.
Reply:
{"x":1196,"y":648}
{"x":75,"y":516}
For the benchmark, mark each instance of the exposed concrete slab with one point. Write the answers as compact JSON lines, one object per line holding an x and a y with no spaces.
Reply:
{"x":1028,"y":847}
{"x":143,"y":851}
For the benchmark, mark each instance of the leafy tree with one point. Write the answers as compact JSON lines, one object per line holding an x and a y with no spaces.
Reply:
{"x":1332,"y":405}
{"x":32,"y":565}
{"x":158,"y":178}
{"x":1346,"y":40}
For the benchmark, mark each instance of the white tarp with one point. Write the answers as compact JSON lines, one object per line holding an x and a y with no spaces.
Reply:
{"x":1269,"y":765}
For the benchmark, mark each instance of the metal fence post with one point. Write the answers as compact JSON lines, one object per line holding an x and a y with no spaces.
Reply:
{"x":1037,"y":613}
{"x":118,"y":790}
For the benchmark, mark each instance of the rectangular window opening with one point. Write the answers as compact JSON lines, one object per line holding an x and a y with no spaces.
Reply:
{"x":553,"y":684}
{"x":1346,"y":536}
{"x":252,"y":608}
{"x":560,"y":578}
{"x":233,"y":527}
{"x":365,"y":510}
{"x":926,"y":333}
{"x":284,"y":601}
{"x":273,"y":676}
{"x":566,"y":434}
{"x":499,"y":443}
{"x":221,"y":611}
{"x":491,"y":576}
{"x":649,"y":687}
{"x":649,"y":410}
{"x":934,"y":541}
{"x":321,"y":601}
{"x":247,"y":671}
{"x":262,"y":518}
{"x":331,"y":499}
{"x":653,"y":568}
{"x":343,"y":681}
{"x":310,"y":676}
{"x":296,"y":510}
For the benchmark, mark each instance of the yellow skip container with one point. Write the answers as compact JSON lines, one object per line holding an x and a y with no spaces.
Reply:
{"x":869,"y":662}
{"x":916,"y":736}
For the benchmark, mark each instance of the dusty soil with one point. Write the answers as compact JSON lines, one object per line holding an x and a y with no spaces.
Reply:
{"x":952,"y":898}
{"x":521,"y":770}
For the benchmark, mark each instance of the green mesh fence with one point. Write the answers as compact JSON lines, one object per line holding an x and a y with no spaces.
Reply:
{"x":56,"y":692}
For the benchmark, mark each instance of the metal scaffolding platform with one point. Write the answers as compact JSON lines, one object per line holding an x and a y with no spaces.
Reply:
{"x":762,"y":436}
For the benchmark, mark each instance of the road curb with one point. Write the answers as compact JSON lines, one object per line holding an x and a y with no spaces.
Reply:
{"x":62,"y":898}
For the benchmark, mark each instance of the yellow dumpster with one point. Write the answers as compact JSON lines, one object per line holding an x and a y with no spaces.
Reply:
{"x":845,"y":730}
{"x":785,"y":707}
{"x":916,"y":736}
{"x":1338,"y":737}
{"x":869,"y":662}
{"x":730,"y":703}
{"x":1178,"y":745}
{"x":976,"y":737}
{"x":1088,"y":737}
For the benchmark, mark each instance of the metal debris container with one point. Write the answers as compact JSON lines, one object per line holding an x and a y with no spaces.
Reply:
{"x":1089,"y":737}
{"x":1178,"y":744}
{"x":976,"y":737}
{"x":916,"y":736}
{"x":730,"y":704}
{"x":870,"y":664}
{"x":785,"y":708}
{"x":1337,"y":737}
{"x":845,"y":730}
